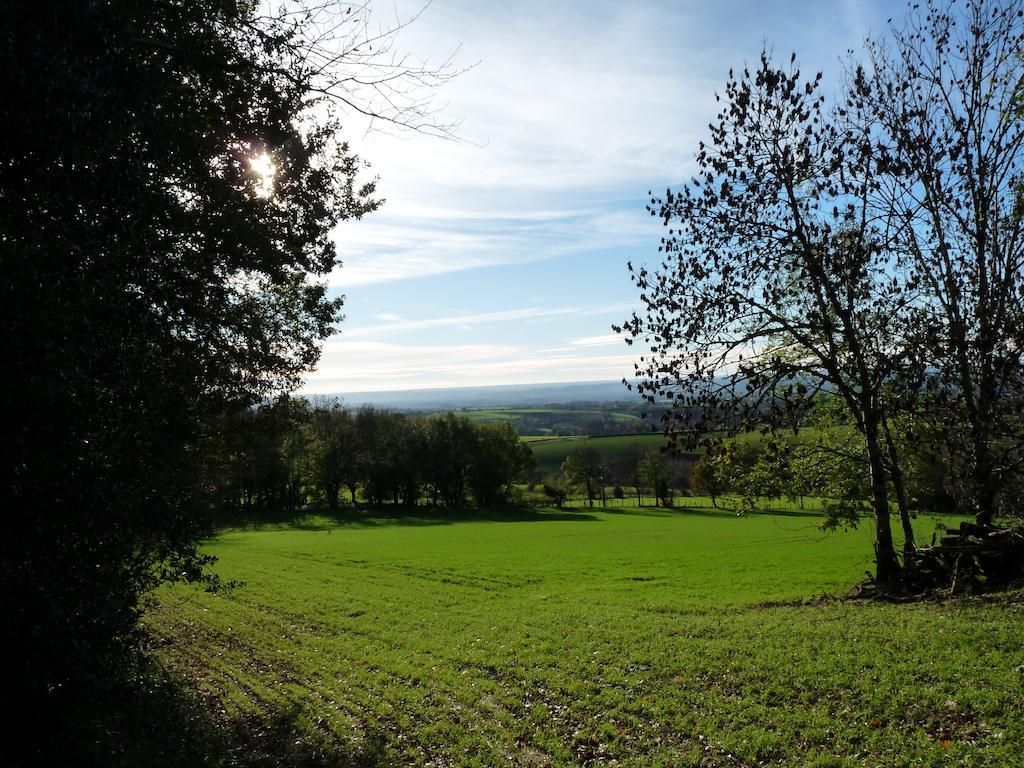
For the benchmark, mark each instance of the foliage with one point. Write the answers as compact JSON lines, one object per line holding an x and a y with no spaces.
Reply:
{"x":259,"y":458}
{"x":866,"y":252}
{"x":379,"y":437}
{"x":627,"y":468}
{"x":941,"y":106}
{"x":552,"y":452}
{"x":584,"y":467}
{"x":332,"y":453}
{"x":556,"y":491}
{"x":705,"y":477}
{"x":167,"y":197}
{"x":663,"y":475}
{"x":278,"y":458}
{"x":772,"y":271}
{"x":568,"y":420}
{"x":499,"y":459}
{"x":451,"y":442}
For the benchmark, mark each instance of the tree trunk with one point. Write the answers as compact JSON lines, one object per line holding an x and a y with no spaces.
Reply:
{"x":887,"y":567}
{"x":984,"y":483}
{"x":909,"y":544}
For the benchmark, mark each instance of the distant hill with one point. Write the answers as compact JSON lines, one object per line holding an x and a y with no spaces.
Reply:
{"x":508,"y":396}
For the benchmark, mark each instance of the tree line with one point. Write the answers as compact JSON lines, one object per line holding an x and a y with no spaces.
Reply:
{"x":827,"y":461}
{"x":592,"y":472}
{"x":283,"y":455}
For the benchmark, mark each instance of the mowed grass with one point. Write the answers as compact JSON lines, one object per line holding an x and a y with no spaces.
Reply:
{"x":636,"y":638}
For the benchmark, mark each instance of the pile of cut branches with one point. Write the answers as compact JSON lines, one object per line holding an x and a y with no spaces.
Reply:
{"x":975,"y":558}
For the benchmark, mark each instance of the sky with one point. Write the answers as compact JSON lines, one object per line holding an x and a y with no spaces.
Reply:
{"x":501,"y":258}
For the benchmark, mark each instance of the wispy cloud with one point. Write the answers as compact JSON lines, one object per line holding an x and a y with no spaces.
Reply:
{"x":574,"y":112}
{"x":561,"y":144}
{"x":394,"y":247}
{"x":353,"y":366}
{"x":598,"y":341}
{"x":472,"y":320}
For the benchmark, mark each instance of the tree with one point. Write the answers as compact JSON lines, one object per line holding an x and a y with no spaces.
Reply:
{"x":451,"y":444}
{"x":380,"y":436}
{"x":627,"y":468}
{"x":656,"y":471}
{"x":555,"y":490}
{"x":499,"y":460}
{"x":584,"y":467}
{"x":412,"y":458}
{"x":705,"y":479}
{"x":169,"y":186}
{"x":332,"y":452}
{"x":942,"y":107}
{"x":665,"y":474}
{"x":777,"y":282}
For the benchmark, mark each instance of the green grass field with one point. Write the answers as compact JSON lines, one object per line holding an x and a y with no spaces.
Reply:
{"x":556,"y":421}
{"x":653,"y":638}
{"x":514,"y":414}
{"x":550,"y":452}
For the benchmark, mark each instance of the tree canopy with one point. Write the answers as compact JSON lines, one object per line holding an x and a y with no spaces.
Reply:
{"x":168,"y":189}
{"x":866,"y":251}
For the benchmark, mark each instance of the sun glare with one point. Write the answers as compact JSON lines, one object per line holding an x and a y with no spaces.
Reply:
{"x":263,"y":168}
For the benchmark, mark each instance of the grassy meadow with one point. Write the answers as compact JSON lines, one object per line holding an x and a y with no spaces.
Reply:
{"x":550,"y":452}
{"x":537,"y":637}
{"x":517,"y":414}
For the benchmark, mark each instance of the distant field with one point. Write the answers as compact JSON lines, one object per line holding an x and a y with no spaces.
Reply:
{"x":512,"y":414}
{"x":633,"y":638}
{"x":557,"y":421}
{"x":550,"y":452}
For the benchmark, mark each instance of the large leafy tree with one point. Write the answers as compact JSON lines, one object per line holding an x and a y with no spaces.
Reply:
{"x":167,"y":191}
{"x":500,"y":458}
{"x":451,"y":444}
{"x":942,"y":110}
{"x":868,"y":251}
{"x":585,"y":467}
{"x":775,"y":284}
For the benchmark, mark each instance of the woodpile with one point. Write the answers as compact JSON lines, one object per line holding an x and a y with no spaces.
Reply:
{"x":976,"y":558}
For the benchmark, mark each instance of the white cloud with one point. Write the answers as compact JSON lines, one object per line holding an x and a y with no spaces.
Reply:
{"x":603,"y":340}
{"x":390,"y":247}
{"x":572,"y":113}
{"x":468,"y":321}
{"x":575,"y":110}
{"x":353,"y":366}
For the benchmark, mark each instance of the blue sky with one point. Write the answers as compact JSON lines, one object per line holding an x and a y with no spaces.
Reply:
{"x":501,"y":259}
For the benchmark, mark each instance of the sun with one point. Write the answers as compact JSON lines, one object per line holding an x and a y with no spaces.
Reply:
{"x":263,"y":168}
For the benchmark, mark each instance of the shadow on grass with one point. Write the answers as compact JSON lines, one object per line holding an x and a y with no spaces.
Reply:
{"x":716,"y":512}
{"x":371,"y":517}
{"x":156,"y":721}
